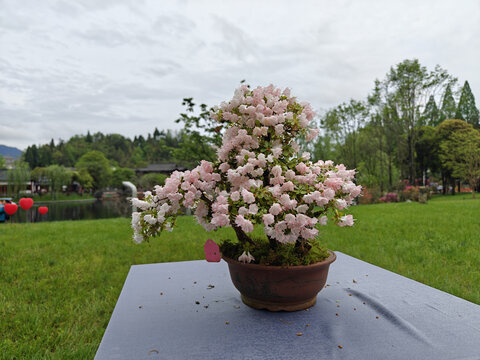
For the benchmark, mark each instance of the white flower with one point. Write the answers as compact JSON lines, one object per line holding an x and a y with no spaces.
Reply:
{"x":138,"y":238}
{"x":302,"y":208}
{"x":149,"y":219}
{"x":246,"y":257}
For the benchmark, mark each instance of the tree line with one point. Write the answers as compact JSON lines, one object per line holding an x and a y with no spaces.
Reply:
{"x":408,"y":129}
{"x":96,"y":161}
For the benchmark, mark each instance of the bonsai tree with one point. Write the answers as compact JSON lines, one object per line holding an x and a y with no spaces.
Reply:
{"x":260,"y":177}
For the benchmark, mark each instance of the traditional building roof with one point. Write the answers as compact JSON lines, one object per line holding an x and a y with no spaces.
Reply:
{"x":160,"y":168}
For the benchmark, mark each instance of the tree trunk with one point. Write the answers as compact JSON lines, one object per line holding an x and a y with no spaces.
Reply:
{"x":472,"y":186}
{"x":444,"y":184}
{"x":411,"y":159}
{"x":381,"y":166}
{"x":390,"y":171}
{"x":242,"y":237}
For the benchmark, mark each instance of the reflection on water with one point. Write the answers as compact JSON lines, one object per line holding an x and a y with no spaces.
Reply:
{"x":74,"y":210}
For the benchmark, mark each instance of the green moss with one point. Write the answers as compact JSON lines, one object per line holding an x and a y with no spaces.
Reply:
{"x":283,"y":255}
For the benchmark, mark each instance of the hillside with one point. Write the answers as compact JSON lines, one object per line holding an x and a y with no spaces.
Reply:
{"x":10,"y":151}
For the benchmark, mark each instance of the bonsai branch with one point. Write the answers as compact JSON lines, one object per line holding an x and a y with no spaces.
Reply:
{"x":241,"y":235}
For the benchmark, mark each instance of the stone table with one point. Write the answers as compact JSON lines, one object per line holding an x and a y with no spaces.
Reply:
{"x":191,"y":310}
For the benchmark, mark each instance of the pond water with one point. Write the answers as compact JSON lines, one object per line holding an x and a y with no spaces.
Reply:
{"x":74,"y":210}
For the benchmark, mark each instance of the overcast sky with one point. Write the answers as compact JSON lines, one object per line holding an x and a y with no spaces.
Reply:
{"x":123,"y":66}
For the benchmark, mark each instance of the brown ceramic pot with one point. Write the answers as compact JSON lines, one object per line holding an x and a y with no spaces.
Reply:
{"x":278,"y":288}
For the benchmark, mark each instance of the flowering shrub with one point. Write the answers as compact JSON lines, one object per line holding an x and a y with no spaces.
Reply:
{"x":389,"y":197}
{"x":411,"y":193}
{"x":259,"y":178}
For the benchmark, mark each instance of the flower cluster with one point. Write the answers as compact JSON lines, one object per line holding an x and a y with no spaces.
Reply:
{"x":260,"y":176}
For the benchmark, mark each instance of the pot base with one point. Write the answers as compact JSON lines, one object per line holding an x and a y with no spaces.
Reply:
{"x":271,"y":306}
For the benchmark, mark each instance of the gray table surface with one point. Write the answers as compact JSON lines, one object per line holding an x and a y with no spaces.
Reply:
{"x":170,"y":311}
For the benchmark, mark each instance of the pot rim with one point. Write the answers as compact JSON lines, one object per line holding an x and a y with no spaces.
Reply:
{"x":327,"y":261}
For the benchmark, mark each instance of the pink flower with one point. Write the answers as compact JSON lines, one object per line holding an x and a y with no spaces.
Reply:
{"x":290,"y":175}
{"x":253,"y":209}
{"x":277,"y":180}
{"x":323,"y":220}
{"x":244,"y":224}
{"x":235,"y":196}
{"x":309,"y":233}
{"x":288,"y":186}
{"x":312,"y":134}
{"x":279,"y":129}
{"x":329,"y":194}
{"x":277,"y":151}
{"x":334,"y":183}
{"x":247,"y":196}
{"x":220,"y":220}
{"x":290,"y":220}
{"x":277,"y":170}
{"x":275,"y":209}
{"x":302,"y":208}
{"x":224,"y":167}
{"x":268,"y":219}
{"x":346,"y":220}
{"x":340,"y":204}
{"x":301,"y":168}
{"x":257,"y":131}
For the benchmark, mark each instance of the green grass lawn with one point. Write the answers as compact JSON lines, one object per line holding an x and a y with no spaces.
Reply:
{"x":59,"y":281}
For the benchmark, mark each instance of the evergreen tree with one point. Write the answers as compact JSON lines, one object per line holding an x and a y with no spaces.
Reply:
{"x":467,"y":110}
{"x":448,"y":105}
{"x":156,"y":134}
{"x":89,"y":138}
{"x":431,"y":114}
{"x":31,"y":156}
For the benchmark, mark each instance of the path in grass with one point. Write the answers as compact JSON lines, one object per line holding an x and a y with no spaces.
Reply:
{"x":60,"y":281}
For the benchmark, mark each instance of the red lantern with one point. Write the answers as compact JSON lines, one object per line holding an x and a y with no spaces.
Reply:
{"x":43,"y":210}
{"x":26,"y":203}
{"x":10,"y":209}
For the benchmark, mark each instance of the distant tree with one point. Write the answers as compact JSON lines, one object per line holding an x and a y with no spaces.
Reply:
{"x":121,"y":174}
{"x":156,"y":134}
{"x":192,"y":149}
{"x":448,"y":105}
{"x":18,"y":178}
{"x":2,"y":162}
{"x":38,"y":175}
{"x":323,"y":148}
{"x":200,"y":125}
{"x":31,"y":156}
{"x":461,"y":155}
{"x":431,"y":114}
{"x":405,"y":91}
{"x":148,"y":181}
{"x":344,"y":122}
{"x":83,"y":178}
{"x":89,"y":138}
{"x":426,"y":151}
{"x":58,"y":176}
{"x":44,"y":157}
{"x":97,"y":166}
{"x":444,"y":132}
{"x":467,"y":110}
